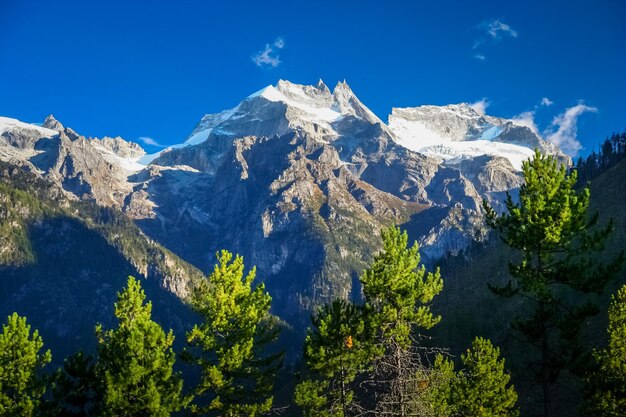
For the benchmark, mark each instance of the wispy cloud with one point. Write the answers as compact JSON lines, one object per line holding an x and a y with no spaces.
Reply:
{"x":279,"y":43}
{"x":526,"y":119}
{"x":480,"y":106}
{"x":150,"y":141}
{"x":269,"y":56}
{"x":563,"y":129}
{"x":491,"y":31}
{"x":498,"y":29}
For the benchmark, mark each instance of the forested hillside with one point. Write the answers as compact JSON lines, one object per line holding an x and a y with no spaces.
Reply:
{"x":62,"y":263}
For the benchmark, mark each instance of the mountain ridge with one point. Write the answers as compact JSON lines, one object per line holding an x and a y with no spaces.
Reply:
{"x":297,"y":179}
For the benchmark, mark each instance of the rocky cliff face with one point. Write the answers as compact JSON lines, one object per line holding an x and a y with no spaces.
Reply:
{"x":94,"y":169}
{"x":298,"y":179}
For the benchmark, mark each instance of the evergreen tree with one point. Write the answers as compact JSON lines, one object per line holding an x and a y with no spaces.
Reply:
{"x":337,"y":348}
{"x":397,"y":296}
{"x":136,"y":361}
{"x":231,"y":343}
{"x":439,"y":390}
{"x":482,"y":388}
{"x":312,"y":397}
{"x":611,"y":152}
{"x":606,"y":383}
{"x":21,"y":386}
{"x":550,"y":229}
{"x":77,"y":390}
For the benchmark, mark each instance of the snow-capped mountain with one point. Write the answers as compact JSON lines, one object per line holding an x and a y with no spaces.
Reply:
{"x":298,"y":179}
{"x":458,"y":132}
{"x":305,"y":106}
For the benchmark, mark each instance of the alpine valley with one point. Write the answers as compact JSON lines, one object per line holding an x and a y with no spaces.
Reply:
{"x":297,"y":179}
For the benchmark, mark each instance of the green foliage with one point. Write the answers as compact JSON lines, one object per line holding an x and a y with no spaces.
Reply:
{"x":397,"y":296}
{"x":398,"y":291}
{"x":77,"y":390}
{"x":439,"y":393}
{"x":15,"y":205}
{"x":606,"y":383}
{"x":21,"y":387}
{"x":552,"y":233}
{"x":136,"y":361}
{"x":483,"y":389}
{"x":230,"y":345}
{"x":312,"y":397}
{"x":337,"y":348}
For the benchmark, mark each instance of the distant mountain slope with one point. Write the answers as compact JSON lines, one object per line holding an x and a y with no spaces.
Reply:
{"x":62,"y":263}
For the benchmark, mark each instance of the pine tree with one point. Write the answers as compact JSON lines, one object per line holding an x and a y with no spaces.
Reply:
{"x":77,"y":390}
{"x":337,"y":348}
{"x":606,"y":384}
{"x":136,"y":361}
{"x":397,"y":296}
{"x":231,"y":344}
{"x":550,"y":229}
{"x":21,"y":386}
{"x":439,"y":390}
{"x":482,"y":388}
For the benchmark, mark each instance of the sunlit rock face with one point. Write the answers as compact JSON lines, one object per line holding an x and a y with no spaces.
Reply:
{"x":298,"y":179}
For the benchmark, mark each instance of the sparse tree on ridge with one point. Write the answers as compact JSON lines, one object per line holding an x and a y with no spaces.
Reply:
{"x":21,"y":385}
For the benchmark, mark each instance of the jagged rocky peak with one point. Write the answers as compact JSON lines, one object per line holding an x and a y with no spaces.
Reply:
{"x":52,"y":124}
{"x":305,"y":103}
{"x":347,"y":103}
{"x":318,"y":94}
{"x":121,"y":147}
{"x":278,"y":109}
{"x":316,"y":102}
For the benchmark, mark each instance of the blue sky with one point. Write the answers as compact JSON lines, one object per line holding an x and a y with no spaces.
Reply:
{"x":152,"y":69}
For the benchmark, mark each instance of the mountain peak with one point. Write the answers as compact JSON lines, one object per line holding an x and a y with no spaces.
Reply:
{"x":342,"y":85}
{"x":52,"y":123}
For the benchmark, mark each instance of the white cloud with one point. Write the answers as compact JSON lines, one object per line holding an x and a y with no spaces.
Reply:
{"x":526,"y":119}
{"x":279,"y":43}
{"x":268,"y":56}
{"x":480,"y":106}
{"x":546,"y":102}
{"x":563,"y":129}
{"x":496,"y":29}
{"x":492,"y":31}
{"x":149,"y":141}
